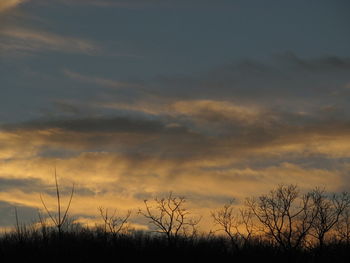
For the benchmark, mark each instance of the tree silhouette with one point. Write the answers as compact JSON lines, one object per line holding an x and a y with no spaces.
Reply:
{"x":235,"y":224}
{"x":329,"y":210}
{"x":285,"y":215}
{"x":342,"y":227}
{"x":169,"y":217}
{"x":114,"y":223}
{"x":60,"y":218}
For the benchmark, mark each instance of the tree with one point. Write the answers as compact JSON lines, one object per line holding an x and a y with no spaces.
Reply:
{"x":227,"y":221}
{"x":114,"y":223}
{"x":329,"y":210}
{"x":342,"y":227}
{"x":169,"y":217}
{"x":234,"y":225}
{"x":285,"y":215}
{"x":60,"y":218}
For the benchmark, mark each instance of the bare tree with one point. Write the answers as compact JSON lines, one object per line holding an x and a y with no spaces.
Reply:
{"x":114,"y":223}
{"x":285,"y":215}
{"x":61,"y":215}
{"x":226,"y":219}
{"x":342,"y":227}
{"x":329,"y":210}
{"x":235,"y":224}
{"x":246,"y":222}
{"x":169,"y":217}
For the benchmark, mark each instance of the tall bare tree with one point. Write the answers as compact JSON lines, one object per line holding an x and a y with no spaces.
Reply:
{"x":169,"y":216}
{"x":285,"y":214}
{"x":329,"y":210}
{"x":61,"y":216}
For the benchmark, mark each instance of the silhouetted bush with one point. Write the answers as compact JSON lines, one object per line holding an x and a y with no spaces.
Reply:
{"x":91,"y":245}
{"x":293,"y":222}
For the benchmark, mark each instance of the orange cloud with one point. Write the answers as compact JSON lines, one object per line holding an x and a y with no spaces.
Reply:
{"x":9,"y":4}
{"x":113,"y":183}
{"x":118,"y":162}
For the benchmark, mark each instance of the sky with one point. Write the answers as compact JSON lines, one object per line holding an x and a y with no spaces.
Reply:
{"x":130,"y":100}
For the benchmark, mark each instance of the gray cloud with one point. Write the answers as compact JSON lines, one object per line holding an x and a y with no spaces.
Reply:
{"x":65,"y":107}
{"x":325,"y":63}
{"x":27,"y":185}
{"x":286,"y":83}
{"x":204,"y":135}
{"x":140,"y":3}
{"x":19,"y":40}
{"x":284,"y":78}
{"x":34,"y":185}
{"x":101,"y":125}
{"x":26,"y":214}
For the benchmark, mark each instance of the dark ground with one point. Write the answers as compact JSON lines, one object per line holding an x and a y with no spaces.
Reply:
{"x":95,"y":246}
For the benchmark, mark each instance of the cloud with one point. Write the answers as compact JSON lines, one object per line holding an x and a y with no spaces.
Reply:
{"x":111,"y":3}
{"x":209,"y":130}
{"x":25,"y":184}
{"x":314,"y":64}
{"x":7,"y":212}
{"x":36,"y":185}
{"x":27,"y":41}
{"x":98,"y":81}
{"x":286,"y":80}
{"x":9,"y":4}
{"x":118,"y":3}
{"x":91,"y":125}
{"x":234,"y":131}
{"x":119,"y":161}
{"x":136,"y":4}
{"x":212,"y":111}
{"x":113,"y":181}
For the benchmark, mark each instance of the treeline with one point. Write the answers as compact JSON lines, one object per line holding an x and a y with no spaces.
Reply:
{"x":281,"y":225}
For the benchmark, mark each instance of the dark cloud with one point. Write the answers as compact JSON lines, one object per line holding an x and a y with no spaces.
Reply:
{"x":26,"y":185}
{"x":66,"y":107}
{"x":142,"y":3}
{"x":205,"y":135}
{"x":325,"y":63}
{"x":117,"y":124}
{"x":32,"y":185}
{"x":287,"y":78}
{"x":26,"y":214}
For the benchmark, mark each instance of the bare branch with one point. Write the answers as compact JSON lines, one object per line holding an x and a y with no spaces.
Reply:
{"x":169,"y":217}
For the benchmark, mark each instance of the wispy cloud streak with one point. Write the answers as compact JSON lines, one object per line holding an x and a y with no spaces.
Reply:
{"x":98,"y":81}
{"x":28,"y":41}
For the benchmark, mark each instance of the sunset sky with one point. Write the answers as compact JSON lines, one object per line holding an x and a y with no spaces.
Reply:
{"x":131,"y":99}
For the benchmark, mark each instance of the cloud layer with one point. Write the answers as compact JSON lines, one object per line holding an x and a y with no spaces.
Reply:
{"x":207,"y":150}
{"x":123,"y":133}
{"x":6,"y":5}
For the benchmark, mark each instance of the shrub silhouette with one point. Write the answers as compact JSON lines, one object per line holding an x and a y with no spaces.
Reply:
{"x":280,"y":226}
